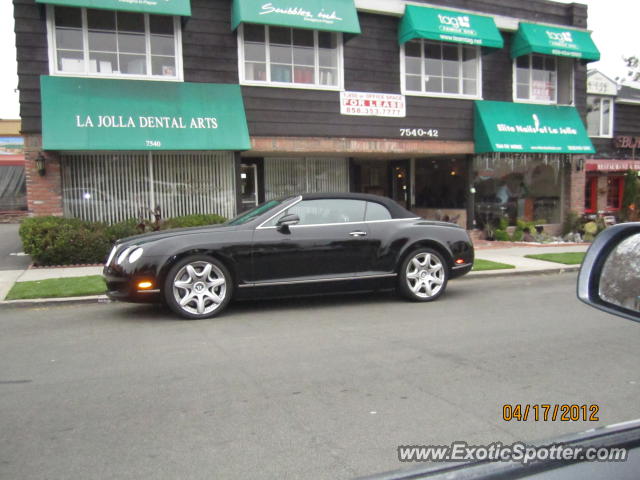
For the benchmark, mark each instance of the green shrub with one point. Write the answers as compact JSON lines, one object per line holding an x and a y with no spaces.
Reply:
{"x":572,"y":223}
{"x":591,"y":228}
{"x":517,"y":235}
{"x":64,"y":241}
{"x":70,"y":241}
{"x":501,"y":235}
{"x":120,"y":230}
{"x":196,"y":220}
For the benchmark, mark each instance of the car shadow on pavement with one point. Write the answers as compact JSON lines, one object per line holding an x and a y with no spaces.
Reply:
{"x":244,"y":308}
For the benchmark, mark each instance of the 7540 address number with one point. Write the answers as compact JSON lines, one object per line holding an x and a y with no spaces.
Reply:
{"x":418,"y":132}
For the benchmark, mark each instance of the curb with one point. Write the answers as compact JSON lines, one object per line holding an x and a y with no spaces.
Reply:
{"x":515,"y":272}
{"x":43,"y":302}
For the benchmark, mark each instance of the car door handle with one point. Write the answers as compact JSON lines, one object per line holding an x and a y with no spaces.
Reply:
{"x":358,"y":233}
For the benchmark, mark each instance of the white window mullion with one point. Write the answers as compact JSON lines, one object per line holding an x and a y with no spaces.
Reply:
{"x":316,"y":59}
{"x":557,"y":74}
{"x":423,"y":73}
{"x":340,"y":62}
{"x":531,"y":76}
{"x":177,"y":41}
{"x":267,"y":42}
{"x":85,"y":41}
{"x":460,"y":73}
{"x":147,"y":43}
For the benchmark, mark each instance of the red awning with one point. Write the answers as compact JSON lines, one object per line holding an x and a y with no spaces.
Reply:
{"x":595,"y":165}
{"x":12,"y":160}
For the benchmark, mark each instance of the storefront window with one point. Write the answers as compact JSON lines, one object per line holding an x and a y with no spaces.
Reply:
{"x":525,"y":186}
{"x":441,"y":68}
{"x":591,"y":195}
{"x":114,"y":187}
{"x":293,"y":176}
{"x":108,"y":43}
{"x":614,"y":192}
{"x":441,"y":183}
{"x":543,"y":79}
{"x":281,"y":55}
{"x":599,"y":116}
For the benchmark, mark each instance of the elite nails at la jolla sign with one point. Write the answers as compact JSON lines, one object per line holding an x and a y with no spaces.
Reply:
{"x":96,"y":114}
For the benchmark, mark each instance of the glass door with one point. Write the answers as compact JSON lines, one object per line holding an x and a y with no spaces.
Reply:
{"x":248,"y":186}
{"x":400,"y":182}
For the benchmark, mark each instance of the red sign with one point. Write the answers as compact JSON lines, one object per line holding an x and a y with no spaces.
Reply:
{"x":611,"y":165}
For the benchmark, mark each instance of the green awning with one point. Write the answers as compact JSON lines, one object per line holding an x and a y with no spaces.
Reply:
{"x":328,"y":15}
{"x":558,"y":41}
{"x":161,"y":7}
{"x":96,"y":114}
{"x":448,"y":26}
{"x":527,"y":128}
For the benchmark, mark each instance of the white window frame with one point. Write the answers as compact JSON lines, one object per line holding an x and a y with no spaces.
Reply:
{"x":611,"y":107}
{"x":52,"y":47}
{"x":267,"y":83}
{"x":403,"y":77}
{"x":542,"y":102}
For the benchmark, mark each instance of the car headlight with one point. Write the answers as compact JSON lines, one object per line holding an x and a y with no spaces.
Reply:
{"x":111,"y":255}
{"x":123,"y":255}
{"x":135,"y":255}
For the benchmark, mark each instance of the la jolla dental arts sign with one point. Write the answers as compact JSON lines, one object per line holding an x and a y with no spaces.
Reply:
{"x":308,"y":16}
{"x":123,"y":121}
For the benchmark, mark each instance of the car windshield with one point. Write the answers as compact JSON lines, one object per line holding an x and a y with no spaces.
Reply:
{"x":254,"y":212}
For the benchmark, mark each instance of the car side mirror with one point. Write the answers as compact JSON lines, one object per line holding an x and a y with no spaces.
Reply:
{"x":609,"y":277}
{"x":285,"y":222}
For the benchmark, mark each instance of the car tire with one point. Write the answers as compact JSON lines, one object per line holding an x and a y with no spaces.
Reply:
{"x":198,"y":287}
{"x":423,"y":275}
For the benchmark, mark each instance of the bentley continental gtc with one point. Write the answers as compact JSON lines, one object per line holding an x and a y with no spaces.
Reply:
{"x":300,"y":245}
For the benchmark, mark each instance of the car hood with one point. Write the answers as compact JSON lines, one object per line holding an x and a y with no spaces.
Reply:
{"x":174,"y":232}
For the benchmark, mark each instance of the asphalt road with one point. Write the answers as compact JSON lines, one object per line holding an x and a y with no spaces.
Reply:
{"x":307,"y":388}
{"x":10,"y":243}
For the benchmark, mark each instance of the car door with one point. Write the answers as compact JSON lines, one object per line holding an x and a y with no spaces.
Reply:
{"x":329,"y":241}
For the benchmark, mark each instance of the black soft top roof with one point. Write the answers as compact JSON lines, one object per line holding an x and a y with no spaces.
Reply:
{"x":394,"y":208}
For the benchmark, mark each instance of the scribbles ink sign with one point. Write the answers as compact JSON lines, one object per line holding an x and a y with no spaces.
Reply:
{"x":324,"y":16}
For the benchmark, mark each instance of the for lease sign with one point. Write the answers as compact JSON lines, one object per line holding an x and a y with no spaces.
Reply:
{"x":372,"y":104}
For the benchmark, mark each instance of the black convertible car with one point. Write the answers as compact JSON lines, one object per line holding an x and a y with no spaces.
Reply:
{"x":306,"y":244}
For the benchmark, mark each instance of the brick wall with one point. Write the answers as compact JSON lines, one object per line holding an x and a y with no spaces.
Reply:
{"x":577,"y":184}
{"x":44,"y":192}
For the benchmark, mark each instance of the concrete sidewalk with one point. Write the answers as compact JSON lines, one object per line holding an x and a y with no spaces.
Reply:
{"x":516,"y":256}
{"x":512,"y":254}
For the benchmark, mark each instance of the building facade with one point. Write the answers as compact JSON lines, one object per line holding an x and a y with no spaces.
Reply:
{"x":613,"y":121}
{"x":213,"y":106}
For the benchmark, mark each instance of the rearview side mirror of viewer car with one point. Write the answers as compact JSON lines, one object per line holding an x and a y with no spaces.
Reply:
{"x":285,"y":222}
{"x":609,"y":277}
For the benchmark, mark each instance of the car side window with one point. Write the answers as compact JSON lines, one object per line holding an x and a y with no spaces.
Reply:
{"x":321,"y":212}
{"x":375,"y":211}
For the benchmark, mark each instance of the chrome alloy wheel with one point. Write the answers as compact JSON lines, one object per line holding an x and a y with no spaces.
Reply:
{"x":425,"y":275}
{"x":199,"y":288}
